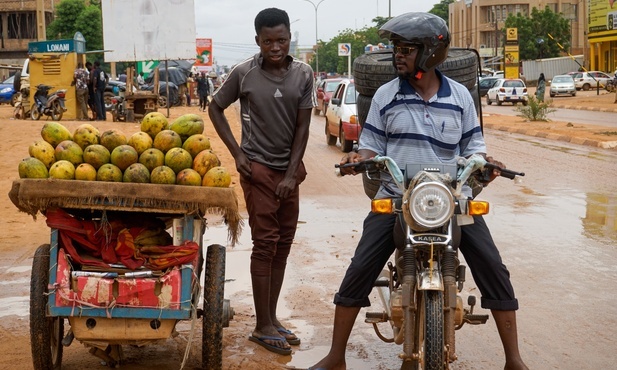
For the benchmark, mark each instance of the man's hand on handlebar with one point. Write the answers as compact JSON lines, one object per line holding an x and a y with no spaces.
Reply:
{"x":353,"y":157}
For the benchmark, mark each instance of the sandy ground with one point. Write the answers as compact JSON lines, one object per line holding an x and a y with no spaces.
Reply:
{"x":21,"y":235}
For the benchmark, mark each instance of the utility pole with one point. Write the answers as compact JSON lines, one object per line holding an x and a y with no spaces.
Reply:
{"x":316,"y":35}
{"x":40,"y":20}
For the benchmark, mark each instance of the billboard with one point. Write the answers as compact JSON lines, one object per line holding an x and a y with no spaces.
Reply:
{"x":203,"y":59}
{"x":136,"y":30}
{"x":602,"y":16}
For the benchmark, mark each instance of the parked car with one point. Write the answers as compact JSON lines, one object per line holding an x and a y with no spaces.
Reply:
{"x":341,"y":116}
{"x":324,"y":94}
{"x":562,"y":84}
{"x":7,"y":92}
{"x":486,"y":83}
{"x":589,"y":80}
{"x":507,"y":90}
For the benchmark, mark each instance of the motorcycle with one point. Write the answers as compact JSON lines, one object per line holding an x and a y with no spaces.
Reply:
{"x":46,"y":104}
{"x":421,"y":291}
{"x":611,"y":85}
{"x":118,"y":106}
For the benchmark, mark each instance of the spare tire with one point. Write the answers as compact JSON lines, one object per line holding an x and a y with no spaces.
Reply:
{"x":375,"y":68}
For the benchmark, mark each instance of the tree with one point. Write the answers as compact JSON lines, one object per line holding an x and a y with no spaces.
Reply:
{"x":441,"y":9}
{"x":73,"y":16}
{"x":533,"y":31}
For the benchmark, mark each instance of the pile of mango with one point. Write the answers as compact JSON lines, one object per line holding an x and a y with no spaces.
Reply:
{"x":161,"y":153}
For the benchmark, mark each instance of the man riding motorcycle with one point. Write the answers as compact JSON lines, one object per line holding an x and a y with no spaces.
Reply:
{"x":421,"y":116}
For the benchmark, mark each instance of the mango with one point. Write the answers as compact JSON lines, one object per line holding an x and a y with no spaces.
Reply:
{"x":85,"y":172}
{"x":140,"y":141}
{"x":70,"y":151}
{"x":187,"y":125}
{"x":195,"y":144}
{"x":109,"y":172}
{"x":217,"y":177}
{"x":113,"y":138}
{"x":204,"y":161}
{"x":63,"y":170}
{"x":153,"y":123}
{"x":32,"y":168}
{"x":178,"y":159}
{"x":43,"y":151}
{"x":86,"y":134}
{"x":55,"y":133}
{"x":188,"y":176}
{"x":152,"y":158}
{"x":136,"y":172}
{"x":166,"y":140}
{"x":123,"y":156}
{"x":163,"y":175}
{"x":97,"y":155}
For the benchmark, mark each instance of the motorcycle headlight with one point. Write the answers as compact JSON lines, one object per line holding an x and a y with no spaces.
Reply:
{"x":431,"y":204}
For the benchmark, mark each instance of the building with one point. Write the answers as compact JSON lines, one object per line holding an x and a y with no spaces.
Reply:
{"x":478,"y":24}
{"x":602,"y":35}
{"x":18,"y":27}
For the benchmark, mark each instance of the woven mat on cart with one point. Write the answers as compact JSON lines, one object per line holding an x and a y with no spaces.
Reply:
{"x":36,"y":195}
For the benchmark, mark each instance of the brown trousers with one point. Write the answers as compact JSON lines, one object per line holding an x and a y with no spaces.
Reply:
{"x":273,"y":221}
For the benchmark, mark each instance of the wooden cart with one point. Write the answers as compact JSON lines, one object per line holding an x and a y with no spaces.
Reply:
{"x":114,"y":306}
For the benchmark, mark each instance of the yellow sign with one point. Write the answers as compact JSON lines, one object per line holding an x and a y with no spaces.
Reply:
{"x":512,"y":57}
{"x":512,"y":34}
{"x":511,"y":48}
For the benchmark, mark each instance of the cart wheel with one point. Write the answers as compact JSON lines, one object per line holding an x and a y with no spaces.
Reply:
{"x":45,"y":332}
{"x":212,"y":321}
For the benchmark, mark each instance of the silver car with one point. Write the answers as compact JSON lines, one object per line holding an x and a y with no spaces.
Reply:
{"x":562,"y":84}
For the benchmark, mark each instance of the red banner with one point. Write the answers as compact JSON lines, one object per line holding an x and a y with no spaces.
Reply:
{"x":203,"y":60}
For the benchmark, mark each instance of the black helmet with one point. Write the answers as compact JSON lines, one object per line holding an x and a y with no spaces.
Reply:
{"x":427,"y":30}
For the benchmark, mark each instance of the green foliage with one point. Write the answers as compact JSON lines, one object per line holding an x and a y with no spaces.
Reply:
{"x":536,"y":110}
{"x":73,"y":16}
{"x":533,"y":31}
{"x":441,"y":9}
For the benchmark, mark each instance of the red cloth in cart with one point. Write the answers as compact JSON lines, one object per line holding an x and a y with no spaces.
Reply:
{"x":96,"y":243}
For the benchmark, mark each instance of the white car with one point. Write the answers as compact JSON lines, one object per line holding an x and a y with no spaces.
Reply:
{"x":507,"y":91}
{"x":341,"y":116}
{"x":562,"y":84}
{"x":589,"y":80}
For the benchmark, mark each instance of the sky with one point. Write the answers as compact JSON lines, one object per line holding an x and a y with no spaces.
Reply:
{"x":229,"y":23}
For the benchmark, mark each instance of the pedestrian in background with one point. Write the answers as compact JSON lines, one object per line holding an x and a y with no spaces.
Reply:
{"x":541,"y":88}
{"x":80,"y":81}
{"x":99,"y":83}
{"x":91,"y":104}
{"x":202,"y":91}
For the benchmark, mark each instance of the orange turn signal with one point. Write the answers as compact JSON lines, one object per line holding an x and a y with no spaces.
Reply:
{"x":353,"y":120}
{"x":383,"y":206}
{"x":477,"y":208}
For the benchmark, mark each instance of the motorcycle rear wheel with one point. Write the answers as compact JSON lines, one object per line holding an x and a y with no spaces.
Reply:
{"x":34,"y":113}
{"x":429,"y":328}
{"x":56,"y":111}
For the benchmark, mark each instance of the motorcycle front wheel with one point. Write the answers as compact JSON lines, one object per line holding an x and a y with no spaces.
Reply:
{"x":430,"y":336}
{"x":56,"y":111}
{"x":34,"y":113}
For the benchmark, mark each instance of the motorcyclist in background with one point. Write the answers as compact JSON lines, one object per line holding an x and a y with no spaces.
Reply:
{"x":424,"y":117}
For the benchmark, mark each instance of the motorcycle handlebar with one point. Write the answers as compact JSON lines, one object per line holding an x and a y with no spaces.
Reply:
{"x":370,"y":165}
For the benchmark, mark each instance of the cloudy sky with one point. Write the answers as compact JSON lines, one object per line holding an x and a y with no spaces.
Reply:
{"x":229,"y":23}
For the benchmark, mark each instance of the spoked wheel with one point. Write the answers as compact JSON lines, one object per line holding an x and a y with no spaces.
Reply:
{"x":162,"y":101}
{"x":34,"y":113}
{"x":56,"y":111}
{"x":429,"y":324}
{"x":45,"y":332}
{"x":214,"y":308}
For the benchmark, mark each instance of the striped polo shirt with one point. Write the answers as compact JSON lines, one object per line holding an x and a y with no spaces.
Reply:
{"x":404,"y":127}
{"x":269,"y":107}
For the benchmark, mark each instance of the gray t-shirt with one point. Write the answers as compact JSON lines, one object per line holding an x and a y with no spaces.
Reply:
{"x":269,"y":107}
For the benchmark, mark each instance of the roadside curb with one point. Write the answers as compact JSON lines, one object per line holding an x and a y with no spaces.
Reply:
{"x":558,"y":137}
{"x":582,"y":107}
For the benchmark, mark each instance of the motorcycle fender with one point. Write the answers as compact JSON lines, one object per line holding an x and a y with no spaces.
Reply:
{"x":430,"y":281}
{"x":464,"y":220}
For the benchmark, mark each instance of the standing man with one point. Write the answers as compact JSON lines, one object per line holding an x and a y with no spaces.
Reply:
{"x":91,"y":103}
{"x":276,"y":97}
{"x":202,"y":91}
{"x":406,"y":122}
{"x":80,"y":80}
{"x":99,"y":82}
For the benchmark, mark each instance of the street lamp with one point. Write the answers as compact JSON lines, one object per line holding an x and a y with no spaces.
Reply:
{"x":316,"y":37}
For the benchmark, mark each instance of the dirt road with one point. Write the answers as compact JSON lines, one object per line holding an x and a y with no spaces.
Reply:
{"x":325,"y":241}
